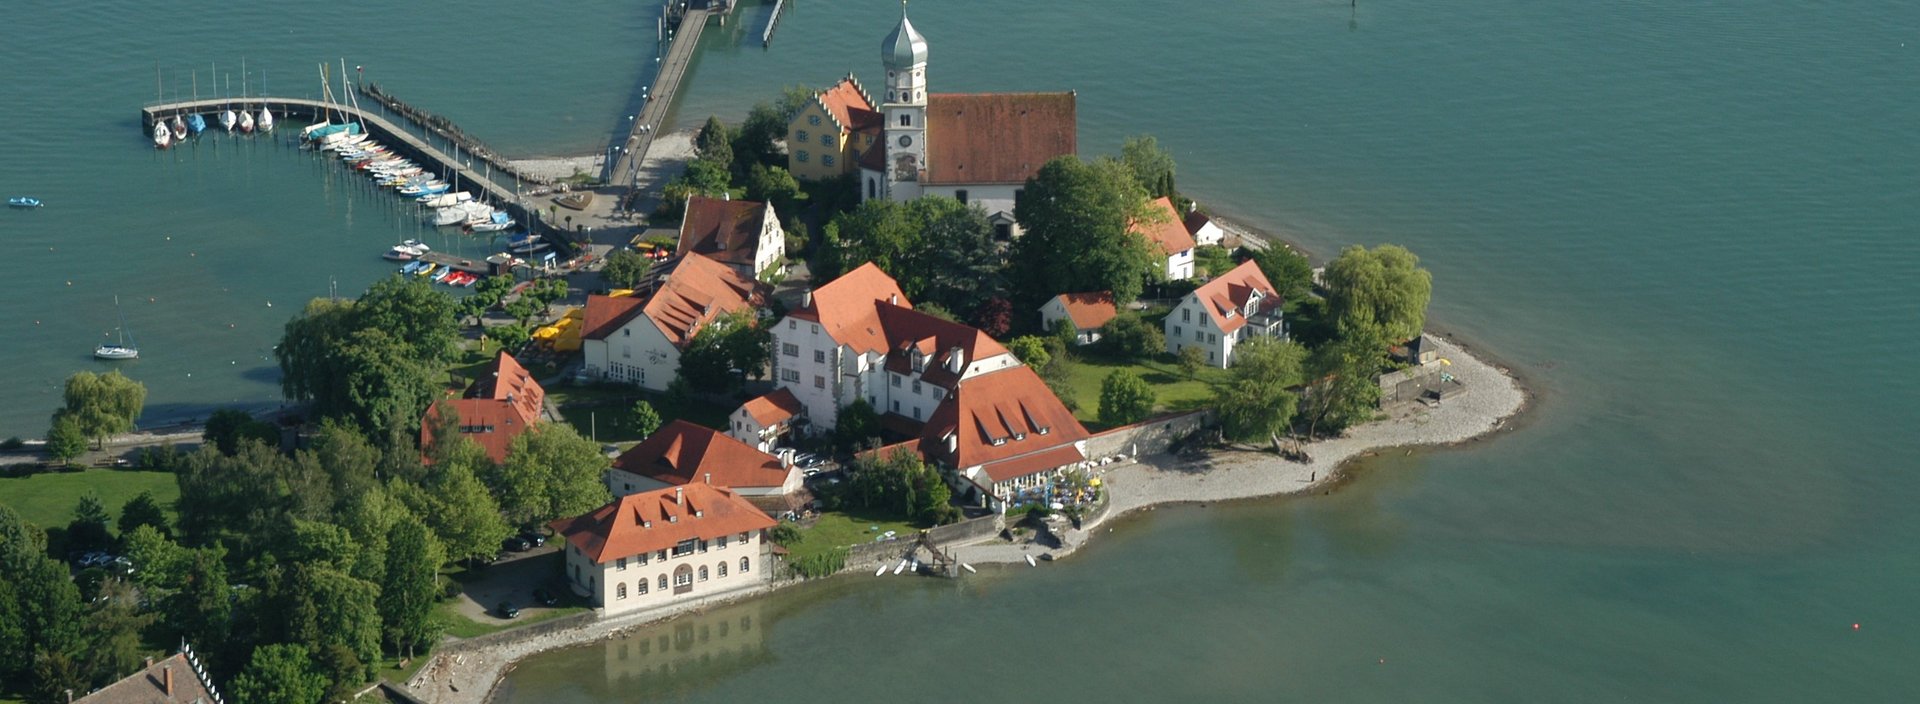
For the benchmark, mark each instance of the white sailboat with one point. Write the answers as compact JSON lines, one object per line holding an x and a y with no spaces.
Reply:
{"x":266,"y":115}
{"x":161,"y":135}
{"x":228,"y":120}
{"x":123,"y":350}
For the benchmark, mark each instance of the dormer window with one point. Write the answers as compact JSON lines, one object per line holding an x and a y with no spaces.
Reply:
{"x":698,"y":514}
{"x":1044,"y":430}
{"x":919,"y":362}
{"x":673,"y":519}
{"x":1019,"y":436}
{"x":999,"y":441}
{"x":646,"y":524}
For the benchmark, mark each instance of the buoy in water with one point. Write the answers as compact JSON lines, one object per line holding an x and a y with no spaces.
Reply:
{"x":1856,"y":626}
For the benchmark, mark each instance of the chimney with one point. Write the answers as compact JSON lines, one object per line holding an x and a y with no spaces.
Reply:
{"x":893,"y":298}
{"x":953,"y":443}
{"x":166,"y":680}
{"x":956,"y":360}
{"x":1192,"y":206}
{"x":676,"y":495}
{"x":709,"y":479}
{"x":806,"y":297}
{"x":726,"y":196}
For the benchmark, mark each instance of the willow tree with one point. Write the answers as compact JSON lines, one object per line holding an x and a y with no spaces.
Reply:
{"x":1382,"y":291}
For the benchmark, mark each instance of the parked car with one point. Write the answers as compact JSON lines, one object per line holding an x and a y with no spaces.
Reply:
{"x":507,"y":610}
{"x":516,"y":544}
{"x":546,"y":598}
{"x":533,"y":537}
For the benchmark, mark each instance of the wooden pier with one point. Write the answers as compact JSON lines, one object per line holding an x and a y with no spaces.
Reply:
{"x":773,"y":20}
{"x":380,"y":130}
{"x":623,"y":170}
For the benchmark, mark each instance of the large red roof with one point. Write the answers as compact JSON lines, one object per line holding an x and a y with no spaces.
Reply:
{"x":1169,"y":233}
{"x":659,"y":520}
{"x":502,"y":403}
{"x":606,"y":314}
{"x":772,"y":408}
{"x":685,"y":453}
{"x":909,"y":331}
{"x":1003,"y":415}
{"x":724,"y":230}
{"x":845,"y":307}
{"x":1088,"y":310}
{"x":849,"y":105}
{"x":1225,"y":297}
{"x":695,"y":291}
{"x":996,"y":137}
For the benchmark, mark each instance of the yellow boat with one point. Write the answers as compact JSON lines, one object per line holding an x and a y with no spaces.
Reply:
{"x":425,"y":270}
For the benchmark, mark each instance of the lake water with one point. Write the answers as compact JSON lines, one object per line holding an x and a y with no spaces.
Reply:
{"x":1688,"y":225}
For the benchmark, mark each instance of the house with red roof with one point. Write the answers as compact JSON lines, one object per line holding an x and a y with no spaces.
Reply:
{"x":742,"y":234}
{"x":1087,"y":312}
{"x":503,"y":402}
{"x":764,"y":419}
{"x":979,"y":148}
{"x":682,"y":453}
{"x":1233,"y":307}
{"x":638,"y":340}
{"x":178,"y":679}
{"x":1203,"y":229}
{"x":831,"y":131}
{"x":969,"y":404}
{"x":664,"y":546}
{"x":1166,"y":231}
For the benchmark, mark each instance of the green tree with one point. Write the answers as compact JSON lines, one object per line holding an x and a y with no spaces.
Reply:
{"x":511,"y":337}
{"x":1211,"y":260}
{"x":40,"y":608}
{"x":855,"y":425}
{"x":645,"y":419}
{"x":111,"y":636}
{"x":551,"y":472}
{"x":1256,"y":401}
{"x":878,"y":231}
{"x":374,"y":361}
{"x":459,"y":509}
{"x":1151,"y":166}
{"x":713,"y":143}
{"x":200,"y":609}
{"x":1345,"y":389}
{"x":754,"y":143}
{"x":625,"y":268}
{"x":245,"y":499}
{"x":101,"y":405}
{"x":731,"y":341}
{"x":772,"y":184}
{"x":413,"y":311}
{"x":1191,"y":360}
{"x":1079,"y":237}
{"x":1129,"y":335}
{"x":55,"y":673}
{"x":957,"y":262}
{"x":349,"y":460}
{"x":1030,"y":350}
{"x":1383,"y":290}
{"x":226,"y":427}
{"x":143,"y":510}
{"x":900,"y":482}
{"x":1289,"y":271}
{"x":66,"y":441}
{"x":159,"y":561}
{"x":1124,"y":398}
{"x":88,"y":530}
{"x":280,"y":674}
{"x":411,"y":586}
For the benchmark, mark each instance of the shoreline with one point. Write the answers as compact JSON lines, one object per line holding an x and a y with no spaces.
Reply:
{"x":1495,"y":397}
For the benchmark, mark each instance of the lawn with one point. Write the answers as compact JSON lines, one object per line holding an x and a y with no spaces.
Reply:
{"x":835,"y":529}
{"x":1173,"y":389}
{"x":48,"y":499}
{"x":606,"y":410}
{"x":460,"y":626}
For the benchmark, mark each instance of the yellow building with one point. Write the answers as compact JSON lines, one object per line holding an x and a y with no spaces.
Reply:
{"x":827,"y":137}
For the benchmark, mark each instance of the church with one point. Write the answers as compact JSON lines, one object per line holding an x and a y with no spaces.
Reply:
{"x":978,"y":148}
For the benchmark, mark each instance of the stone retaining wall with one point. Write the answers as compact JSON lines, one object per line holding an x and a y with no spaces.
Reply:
{"x":1147,"y":437}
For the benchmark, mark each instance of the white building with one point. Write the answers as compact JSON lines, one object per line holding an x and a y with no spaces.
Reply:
{"x":1234,"y":306}
{"x":1168,"y":235}
{"x":682,"y":453}
{"x":660,"y":547}
{"x":1203,"y":229}
{"x":763,"y":420}
{"x":978,"y":148}
{"x":742,"y":234}
{"x":639,"y":340}
{"x":1087,"y":312}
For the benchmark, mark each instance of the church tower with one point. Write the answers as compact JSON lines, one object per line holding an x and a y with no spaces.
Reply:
{"x":904,"y":53}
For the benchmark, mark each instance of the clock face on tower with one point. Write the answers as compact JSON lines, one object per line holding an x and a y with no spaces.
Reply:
{"x":906,"y":141}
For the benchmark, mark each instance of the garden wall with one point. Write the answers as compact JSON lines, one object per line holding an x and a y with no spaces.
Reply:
{"x":1146,"y":437}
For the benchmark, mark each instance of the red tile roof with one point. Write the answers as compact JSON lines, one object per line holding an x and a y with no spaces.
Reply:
{"x":909,"y":331}
{"x":1169,"y":233}
{"x":659,"y":520}
{"x":684,"y":453}
{"x":875,"y":157}
{"x":505,"y":401}
{"x":996,"y":137}
{"x":849,"y":105}
{"x":1225,"y":297}
{"x":723,"y":230}
{"x":1089,"y":310}
{"x":1196,"y":220}
{"x":150,"y":686}
{"x":606,"y":314}
{"x":1033,"y":463}
{"x":773,"y":408}
{"x":1011,"y":406}
{"x":844,"y":307}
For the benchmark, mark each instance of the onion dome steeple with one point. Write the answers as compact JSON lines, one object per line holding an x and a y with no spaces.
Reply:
{"x":904,"y":48}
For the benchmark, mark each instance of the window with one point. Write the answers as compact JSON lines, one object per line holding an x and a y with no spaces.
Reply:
{"x":703,"y":573}
{"x":640,"y":586}
{"x":906,"y":120}
{"x":812,"y":120}
{"x":960,"y":195}
{"x":789,"y":349}
{"x":1002,"y":231}
{"x":801,"y":136}
{"x":792,"y":375}
{"x":873,"y":188}
{"x":895,"y":380}
{"x":800,"y":156}
{"x":826,"y":141}
{"x":896,"y":405}
{"x":662,"y":556}
{"x":826,"y":159}
{"x":743,"y":564}
{"x":819,"y":382}
{"x":720,"y":543}
{"x":721,"y":570}
{"x":939,"y":393}
{"x":916,"y":386}
{"x":793,"y":324}
{"x":916,"y":413}
{"x":663,"y":582}
{"x":703,"y":546}
{"x":1186,"y":315}
{"x":819,"y":356}
{"x":626,"y":332}
{"x":620,"y":591}
{"x":1177,"y":331}
{"x":621,"y":564}
{"x":1199,"y":334}
{"x":683,"y":577}
{"x":644,"y":556}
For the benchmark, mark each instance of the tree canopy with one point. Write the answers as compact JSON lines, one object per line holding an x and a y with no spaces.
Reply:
{"x":550,"y":472}
{"x":940,"y":250}
{"x":1256,"y":403}
{"x":1124,"y":398}
{"x":1151,"y":166}
{"x":99,"y":405}
{"x":376,"y":361}
{"x":1078,"y":217}
{"x":625,"y":268}
{"x":280,"y":674}
{"x":730,"y":342}
{"x":1289,"y":271}
{"x":1383,"y":290}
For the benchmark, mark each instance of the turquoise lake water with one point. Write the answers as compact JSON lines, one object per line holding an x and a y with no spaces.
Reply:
{"x":1690,"y":226}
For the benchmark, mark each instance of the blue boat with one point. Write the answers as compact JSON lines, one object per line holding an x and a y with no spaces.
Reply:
{"x":196,"y":123}
{"x":442,"y":276}
{"x":412,"y":266}
{"x":24,"y":202}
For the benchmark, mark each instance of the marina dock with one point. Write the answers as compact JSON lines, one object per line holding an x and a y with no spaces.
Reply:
{"x":622,"y":171}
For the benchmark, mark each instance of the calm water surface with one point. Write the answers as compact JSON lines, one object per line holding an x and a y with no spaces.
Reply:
{"x":1690,"y":225}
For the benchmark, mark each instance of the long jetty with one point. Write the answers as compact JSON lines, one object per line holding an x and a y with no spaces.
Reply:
{"x":382,"y":130}
{"x":624,"y":170}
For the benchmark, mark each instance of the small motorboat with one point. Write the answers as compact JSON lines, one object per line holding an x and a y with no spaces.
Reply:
{"x":24,"y":202}
{"x":412,"y":267}
{"x":500,"y":221}
{"x":161,"y":135}
{"x":395,"y":255}
{"x":425,"y":270}
{"x":196,"y":123}
{"x":442,"y":276}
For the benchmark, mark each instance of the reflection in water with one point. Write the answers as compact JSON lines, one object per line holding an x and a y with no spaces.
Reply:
{"x":687,"y":653}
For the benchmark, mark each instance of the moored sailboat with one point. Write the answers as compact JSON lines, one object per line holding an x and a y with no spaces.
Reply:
{"x":161,"y":135}
{"x":122,"y":350}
